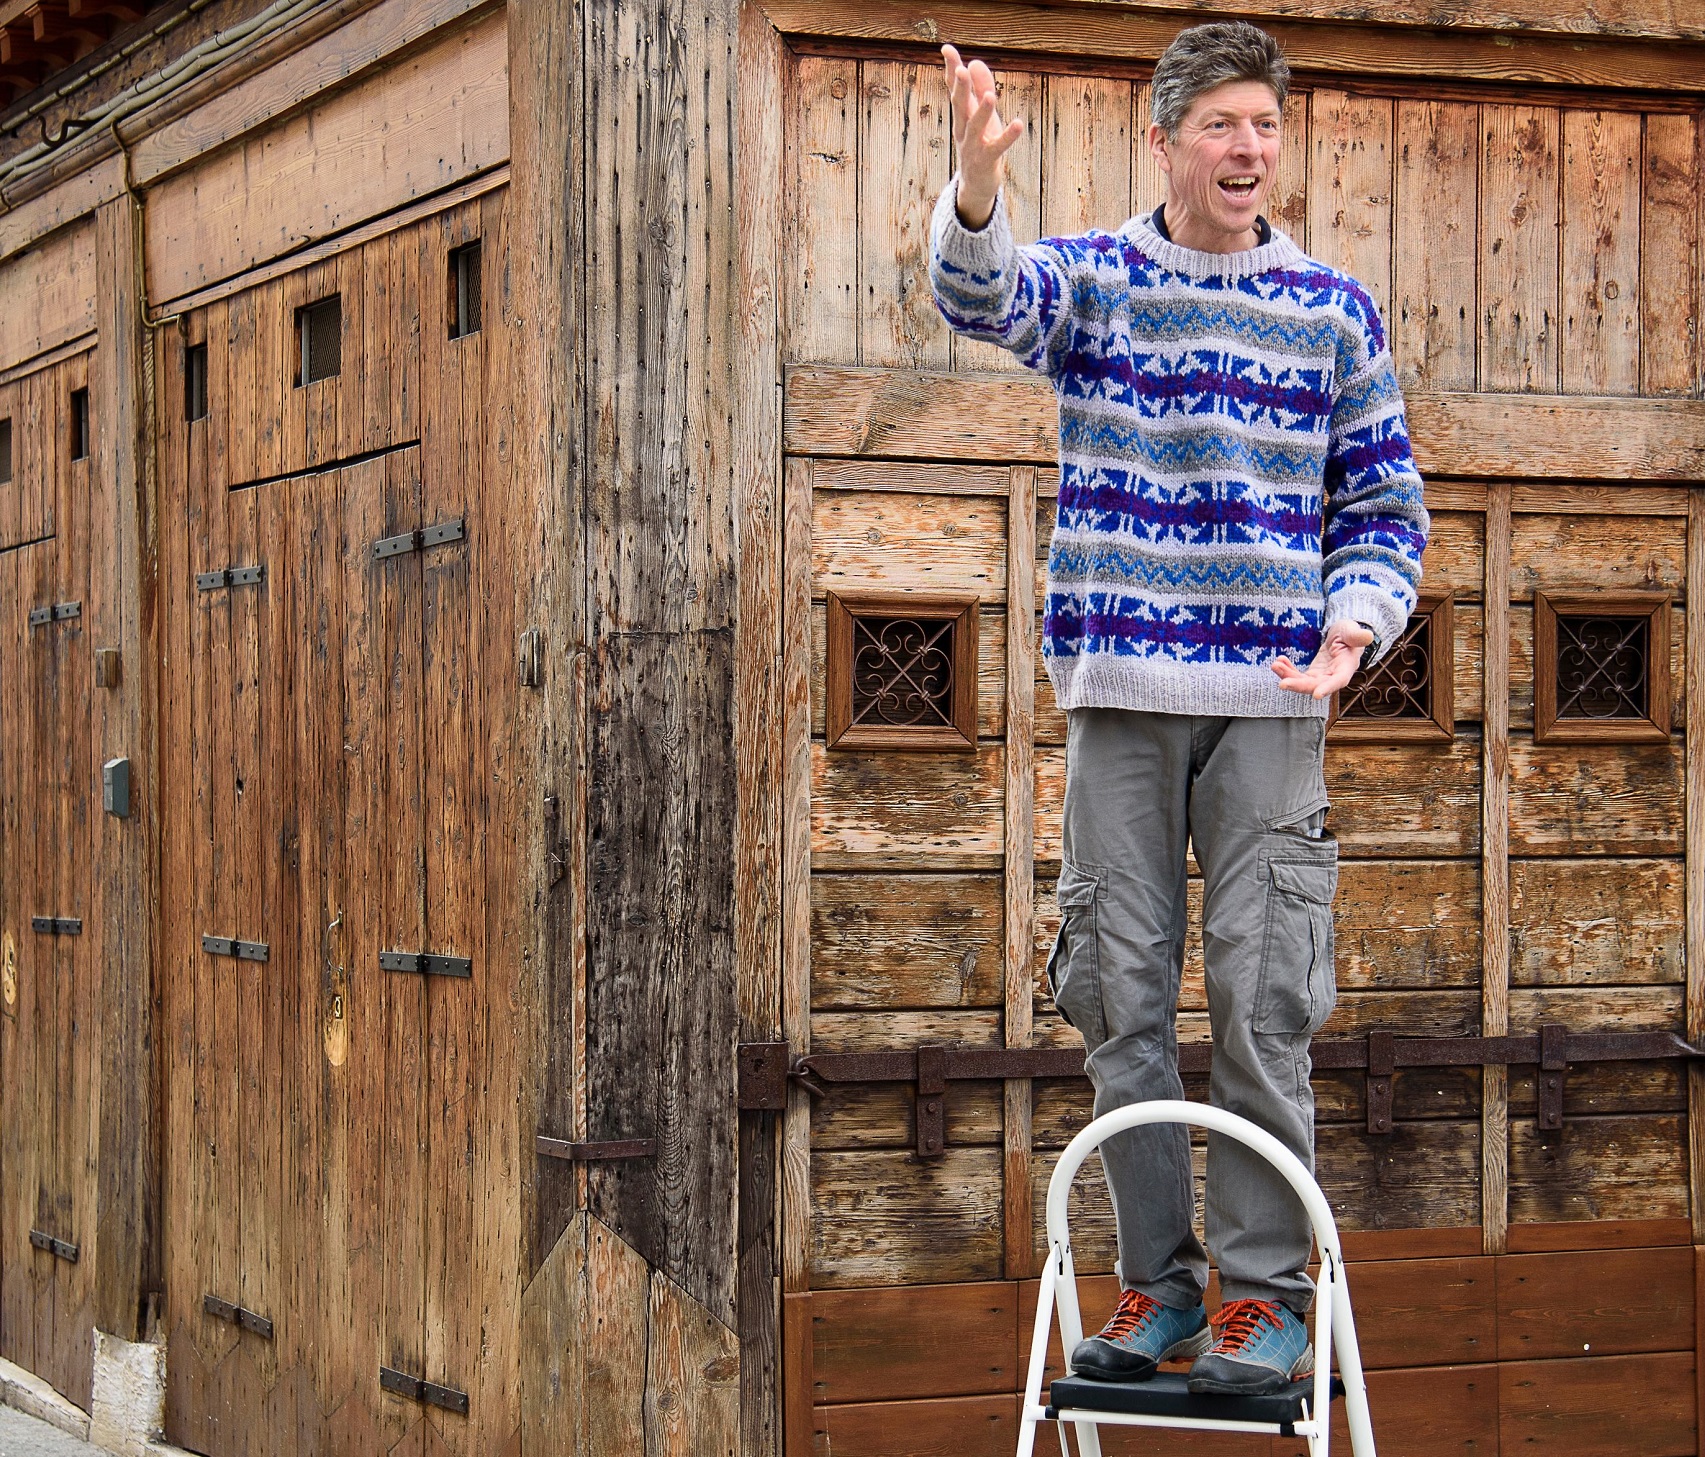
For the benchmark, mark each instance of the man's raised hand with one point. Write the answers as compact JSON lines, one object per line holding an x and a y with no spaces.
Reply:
{"x":1333,"y":666}
{"x":979,"y":135}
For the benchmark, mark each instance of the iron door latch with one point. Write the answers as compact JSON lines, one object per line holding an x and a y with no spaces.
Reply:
{"x":418,"y":539}
{"x":230,"y":577}
{"x":60,"y":1249}
{"x":609,"y":1149}
{"x":402,"y":1384}
{"x":242,"y":950}
{"x":58,"y":612}
{"x":237,"y":1315}
{"x":56,"y":925}
{"x":426,"y":963}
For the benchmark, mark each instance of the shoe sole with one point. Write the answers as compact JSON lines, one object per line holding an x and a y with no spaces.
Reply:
{"x":1190,"y":1346}
{"x":1273,"y":1385}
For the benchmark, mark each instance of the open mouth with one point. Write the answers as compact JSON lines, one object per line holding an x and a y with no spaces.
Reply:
{"x":1241,"y":189}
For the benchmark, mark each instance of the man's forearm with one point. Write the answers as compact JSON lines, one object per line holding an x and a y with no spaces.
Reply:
{"x":975,"y":202}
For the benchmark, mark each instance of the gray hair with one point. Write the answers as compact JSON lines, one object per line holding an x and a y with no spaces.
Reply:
{"x":1206,"y":56}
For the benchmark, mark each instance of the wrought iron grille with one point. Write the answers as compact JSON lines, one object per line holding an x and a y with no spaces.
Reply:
{"x":1400,"y":685}
{"x":1602,"y":665}
{"x":902,"y":671}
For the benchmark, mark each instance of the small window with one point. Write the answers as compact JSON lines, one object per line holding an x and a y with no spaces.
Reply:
{"x":902,"y":672}
{"x":1601,"y":668}
{"x":5,"y":450}
{"x":195,"y":382}
{"x":79,"y":424}
{"x":319,"y":330}
{"x":465,"y":291}
{"x":1410,"y":692}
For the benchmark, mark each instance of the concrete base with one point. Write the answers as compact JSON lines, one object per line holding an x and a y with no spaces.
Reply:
{"x":33,"y":1396}
{"x":128,"y":1398}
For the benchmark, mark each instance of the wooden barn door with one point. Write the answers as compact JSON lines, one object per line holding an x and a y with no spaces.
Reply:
{"x":50,"y":943}
{"x":1522,"y":1233}
{"x":325,"y":1281}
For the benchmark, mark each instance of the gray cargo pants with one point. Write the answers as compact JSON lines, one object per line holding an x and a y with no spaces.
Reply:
{"x":1249,"y":794}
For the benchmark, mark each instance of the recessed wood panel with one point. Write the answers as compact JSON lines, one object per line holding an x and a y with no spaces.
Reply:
{"x":870,"y":802}
{"x":1576,"y":554}
{"x":1618,"y":1167}
{"x":932,"y":1340}
{"x":1433,"y":323}
{"x":1595,"y":922}
{"x":820,"y":309}
{"x":1595,"y":799}
{"x":47,"y":295}
{"x":1349,"y":188}
{"x":887,"y":940}
{"x":960,"y":1426}
{"x":1606,"y":1302}
{"x":890,"y":1218}
{"x":891,"y":541}
{"x":1595,"y":1405}
{"x":1600,"y":211}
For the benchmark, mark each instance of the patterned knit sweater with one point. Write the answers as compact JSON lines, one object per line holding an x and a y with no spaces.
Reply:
{"x":1235,"y":470}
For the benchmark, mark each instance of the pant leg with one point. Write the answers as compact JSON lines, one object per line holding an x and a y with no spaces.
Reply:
{"x":1116,"y":968}
{"x":1257,"y":818}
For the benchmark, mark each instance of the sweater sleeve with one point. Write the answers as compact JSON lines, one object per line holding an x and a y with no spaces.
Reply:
{"x":989,"y":288}
{"x":1375,"y":524}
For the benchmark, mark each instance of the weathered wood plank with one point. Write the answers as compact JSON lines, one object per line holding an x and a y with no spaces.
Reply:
{"x":1086,"y":155}
{"x":1590,"y":554}
{"x":797,"y":887}
{"x":1595,"y":799}
{"x":889,"y":1218}
{"x":1600,"y":211}
{"x":1350,"y":188}
{"x":1596,"y":922}
{"x":1625,"y":1167}
{"x":1609,"y":1302}
{"x":1495,"y":866}
{"x":885,"y":1345}
{"x":889,"y":940}
{"x":1518,"y":249}
{"x":888,"y":541}
{"x":1669,"y":239}
{"x":916,"y":805}
{"x":47,"y":295}
{"x":1581,"y":1406}
{"x":953,"y":1426}
{"x":1433,"y":322}
{"x":822,"y":304}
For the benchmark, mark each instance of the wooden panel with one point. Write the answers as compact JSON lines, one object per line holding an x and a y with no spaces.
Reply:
{"x":1601,"y":253}
{"x":47,"y":295}
{"x":1604,"y":1087}
{"x":1632,"y":1167}
{"x":1608,"y":1009}
{"x":1287,"y":204}
{"x":435,"y":118}
{"x":1669,"y":239}
{"x":893,"y":1219}
{"x":879,"y":1115}
{"x":1438,"y":1410}
{"x":885,"y":1345}
{"x":891,"y":541}
{"x":905,"y":140}
{"x":906,"y":804}
{"x":906,"y":941}
{"x":1595,"y":799}
{"x":821,"y":304}
{"x":1585,"y":554}
{"x":1434,"y":322}
{"x":1583,"y":1406}
{"x":1518,"y":249}
{"x":1086,"y":155}
{"x":1601,"y":1234}
{"x":1349,"y":188}
{"x":1608,"y":1302}
{"x":1595,"y":922}
{"x":963,"y":1426}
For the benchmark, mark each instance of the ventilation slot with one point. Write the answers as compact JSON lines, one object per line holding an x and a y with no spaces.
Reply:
{"x":5,"y":451}
{"x":195,"y":382}
{"x":465,"y":291}
{"x":79,"y":424}
{"x":319,"y":327}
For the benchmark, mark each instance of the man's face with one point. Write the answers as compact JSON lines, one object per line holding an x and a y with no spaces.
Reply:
{"x":1221,"y":166}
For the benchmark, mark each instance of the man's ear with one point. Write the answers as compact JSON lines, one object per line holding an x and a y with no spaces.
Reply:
{"x":1157,"y":148}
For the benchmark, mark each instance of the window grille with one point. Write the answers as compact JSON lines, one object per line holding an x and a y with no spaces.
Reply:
{"x":195,"y":382}
{"x":79,"y":424}
{"x":5,"y":451}
{"x":319,"y":330}
{"x":1409,"y":693}
{"x":464,"y":291}
{"x":1601,"y":668}
{"x":901,"y":672}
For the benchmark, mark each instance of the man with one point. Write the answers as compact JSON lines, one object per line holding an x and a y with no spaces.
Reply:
{"x":1237,"y":498}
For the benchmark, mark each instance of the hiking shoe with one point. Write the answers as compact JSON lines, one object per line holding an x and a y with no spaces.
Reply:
{"x":1141,"y":1334}
{"x":1263,"y":1347}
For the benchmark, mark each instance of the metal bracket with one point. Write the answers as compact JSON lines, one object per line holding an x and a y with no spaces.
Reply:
{"x":237,"y":1315}
{"x":60,"y":1249}
{"x":400,"y":1383}
{"x":582,"y":1153}
{"x":762,"y":1071}
{"x":418,"y":539}
{"x":56,"y":925}
{"x":58,"y":612}
{"x":230,"y":577}
{"x":1553,"y":1061}
{"x":931,"y":1115}
{"x":426,"y":963}
{"x":1382,"y":1062}
{"x":242,"y":950}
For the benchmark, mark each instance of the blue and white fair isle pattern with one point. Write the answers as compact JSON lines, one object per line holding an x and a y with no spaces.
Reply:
{"x":1215,"y":410}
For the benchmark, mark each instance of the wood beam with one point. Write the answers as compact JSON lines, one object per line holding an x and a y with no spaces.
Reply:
{"x":1495,"y":871}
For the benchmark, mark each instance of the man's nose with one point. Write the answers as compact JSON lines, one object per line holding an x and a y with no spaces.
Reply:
{"x":1245,"y":141}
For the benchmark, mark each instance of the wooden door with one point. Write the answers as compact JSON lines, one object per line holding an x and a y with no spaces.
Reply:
{"x":1537,"y":265}
{"x":50,"y":943}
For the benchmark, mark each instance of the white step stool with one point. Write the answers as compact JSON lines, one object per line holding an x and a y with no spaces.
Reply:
{"x":1164,"y":1400}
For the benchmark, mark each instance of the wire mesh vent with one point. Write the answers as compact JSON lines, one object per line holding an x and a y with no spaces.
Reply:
{"x":195,"y":382}
{"x":465,"y":291}
{"x":79,"y":424}
{"x":319,"y":327}
{"x":5,"y":451}
{"x":901,"y":672}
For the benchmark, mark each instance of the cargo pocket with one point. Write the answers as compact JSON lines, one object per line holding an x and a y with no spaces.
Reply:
{"x":1074,"y":965}
{"x":1298,"y":987}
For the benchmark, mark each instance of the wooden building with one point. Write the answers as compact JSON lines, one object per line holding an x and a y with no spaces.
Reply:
{"x":459,"y":465}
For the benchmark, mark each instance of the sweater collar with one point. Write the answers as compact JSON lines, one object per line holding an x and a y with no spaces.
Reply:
{"x":1279,"y":252}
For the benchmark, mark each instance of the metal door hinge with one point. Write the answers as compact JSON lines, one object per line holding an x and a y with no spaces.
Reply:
{"x":230,"y":577}
{"x":426,"y":963}
{"x":229,"y":946}
{"x":418,"y":539}
{"x":60,"y":1249}
{"x":762,"y":1076}
{"x":56,"y":925}
{"x":237,"y":1315}
{"x":58,"y":612}
{"x":609,"y":1149}
{"x":402,"y":1384}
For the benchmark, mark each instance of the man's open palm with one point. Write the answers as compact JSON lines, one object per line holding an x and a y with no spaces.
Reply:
{"x":980,"y":136}
{"x":1333,"y":666}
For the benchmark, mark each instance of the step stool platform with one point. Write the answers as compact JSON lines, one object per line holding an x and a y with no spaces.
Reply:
{"x":1167,"y":1394}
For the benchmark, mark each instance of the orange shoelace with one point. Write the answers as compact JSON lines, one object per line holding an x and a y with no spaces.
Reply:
{"x":1241,"y":1321}
{"x":1132,"y":1311}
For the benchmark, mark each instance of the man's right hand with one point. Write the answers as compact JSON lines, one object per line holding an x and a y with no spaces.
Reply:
{"x":982,"y":141}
